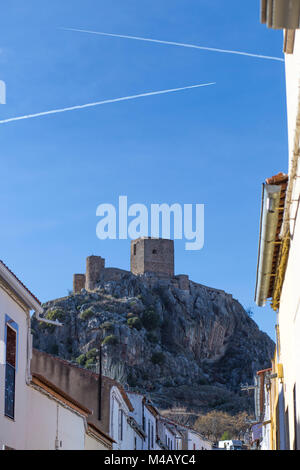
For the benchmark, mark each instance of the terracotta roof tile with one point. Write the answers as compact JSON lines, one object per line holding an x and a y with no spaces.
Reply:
{"x":101,"y":433}
{"x":281,"y":179}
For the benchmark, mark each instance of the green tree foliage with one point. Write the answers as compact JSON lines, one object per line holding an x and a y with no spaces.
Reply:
{"x":150,"y":319}
{"x":158,"y":358}
{"x":215,"y":424}
{"x":134,"y":322}
{"x":111,"y":339}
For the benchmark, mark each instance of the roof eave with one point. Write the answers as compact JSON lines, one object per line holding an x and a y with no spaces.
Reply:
{"x":268,"y":225}
{"x":19,"y":289}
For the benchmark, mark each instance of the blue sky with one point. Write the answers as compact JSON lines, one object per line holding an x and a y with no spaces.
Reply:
{"x":212,"y":145}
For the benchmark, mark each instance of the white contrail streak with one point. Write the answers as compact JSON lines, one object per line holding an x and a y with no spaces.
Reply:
{"x":170,"y":43}
{"x":97,"y":103}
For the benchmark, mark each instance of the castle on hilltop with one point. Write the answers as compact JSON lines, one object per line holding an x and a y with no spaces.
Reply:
{"x":149,"y":257}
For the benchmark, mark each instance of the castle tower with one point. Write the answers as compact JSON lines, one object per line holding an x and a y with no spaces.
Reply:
{"x":153,"y":256}
{"x":94,"y":266}
{"x":78,"y":282}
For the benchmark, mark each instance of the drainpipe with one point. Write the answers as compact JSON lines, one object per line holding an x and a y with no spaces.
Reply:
{"x":44,"y":320}
{"x":100,"y":383}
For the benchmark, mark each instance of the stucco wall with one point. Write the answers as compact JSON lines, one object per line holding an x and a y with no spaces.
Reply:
{"x":116,"y":405}
{"x":47,"y":419}
{"x":289,"y":312}
{"x":12,"y":432}
{"x":92,"y":443}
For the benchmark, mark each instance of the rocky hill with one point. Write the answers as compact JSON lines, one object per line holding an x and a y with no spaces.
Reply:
{"x":184,"y":348}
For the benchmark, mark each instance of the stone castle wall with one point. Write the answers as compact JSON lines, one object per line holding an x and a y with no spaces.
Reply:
{"x":78,"y":282}
{"x":152,"y":255}
{"x":149,"y":257}
{"x":94,"y":266}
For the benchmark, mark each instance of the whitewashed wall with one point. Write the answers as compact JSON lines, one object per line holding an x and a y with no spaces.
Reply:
{"x":289,"y":312}
{"x":118,"y":404}
{"x":12,"y":432}
{"x":196,"y":440}
{"x":92,"y":443}
{"x":48,"y":420}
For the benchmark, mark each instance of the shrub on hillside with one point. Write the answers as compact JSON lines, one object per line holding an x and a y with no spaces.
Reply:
{"x":158,"y":358}
{"x":86,"y":314}
{"x":56,"y":314}
{"x":112,"y":340}
{"x":150,"y":319}
{"x":134,"y":322}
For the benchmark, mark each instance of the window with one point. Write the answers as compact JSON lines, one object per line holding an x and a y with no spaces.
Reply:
{"x":287,"y":429}
{"x":149,"y":437}
{"x":152,"y":436}
{"x":154,"y":252}
{"x":134,"y":250}
{"x":11,"y":338}
{"x":121,"y":424}
{"x":295,"y":419}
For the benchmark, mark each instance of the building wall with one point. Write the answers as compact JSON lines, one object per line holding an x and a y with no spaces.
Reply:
{"x":165,"y":434}
{"x":137,"y":403}
{"x":289,"y":312}
{"x":196,"y":442}
{"x":92,"y":443}
{"x":80,"y":384}
{"x":150,"y":429}
{"x":48,"y":420}
{"x":152,"y":255}
{"x":12,"y":432}
{"x":125,"y":439}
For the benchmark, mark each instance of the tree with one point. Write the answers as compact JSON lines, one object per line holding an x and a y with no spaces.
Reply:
{"x":215,"y":424}
{"x":226,"y":436}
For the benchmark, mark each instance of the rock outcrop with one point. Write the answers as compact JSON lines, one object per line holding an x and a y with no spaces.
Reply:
{"x":188,"y":348}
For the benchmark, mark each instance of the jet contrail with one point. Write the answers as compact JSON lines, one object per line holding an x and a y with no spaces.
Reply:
{"x":170,"y":43}
{"x":97,"y":103}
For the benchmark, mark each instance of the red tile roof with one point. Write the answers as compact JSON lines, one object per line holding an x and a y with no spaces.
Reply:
{"x":100,"y":433}
{"x":281,"y":179}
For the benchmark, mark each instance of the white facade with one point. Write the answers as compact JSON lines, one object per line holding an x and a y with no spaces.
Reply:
{"x":121,"y":431}
{"x":52,"y":426}
{"x":289,"y":311}
{"x":196,"y":442}
{"x":93,"y":442}
{"x":15,"y":305}
{"x":166,"y":434}
{"x":231,"y":445}
{"x":31,"y":418}
{"x":150,"y":429}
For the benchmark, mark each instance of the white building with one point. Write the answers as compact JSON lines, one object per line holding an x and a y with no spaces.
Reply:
{"x":231,"y":445}
{"x":54,"y":421}
{"x":280,"y":246}
{"x":193,"y":440}
{"x":124,"y":429}
{"x":16,"y":303}
{"x":34,"y":414}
